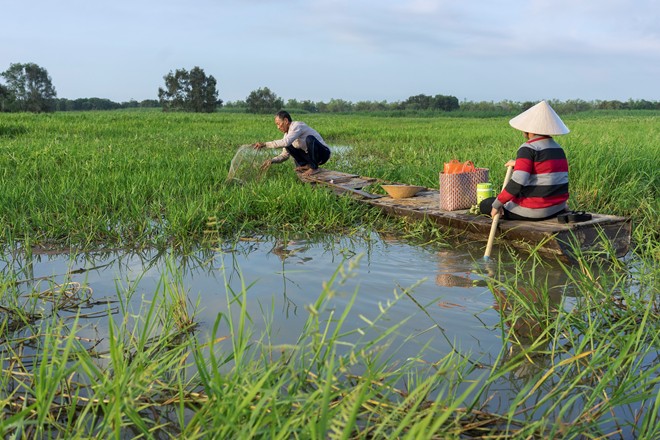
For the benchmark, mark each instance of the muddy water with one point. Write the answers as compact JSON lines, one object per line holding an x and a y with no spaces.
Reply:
{"x":443,"y":300}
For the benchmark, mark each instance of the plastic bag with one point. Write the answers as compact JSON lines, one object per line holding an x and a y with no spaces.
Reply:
{"x":456,"y":167}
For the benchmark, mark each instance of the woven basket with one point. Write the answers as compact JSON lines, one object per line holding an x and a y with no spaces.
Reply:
{"x":459,"y":191}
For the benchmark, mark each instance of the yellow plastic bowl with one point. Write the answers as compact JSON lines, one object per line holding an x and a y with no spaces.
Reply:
{"x":402,"y":191}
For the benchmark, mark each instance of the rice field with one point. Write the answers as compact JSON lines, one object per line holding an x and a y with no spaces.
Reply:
{"x":150,"y":178}
{"x":74,"y":182}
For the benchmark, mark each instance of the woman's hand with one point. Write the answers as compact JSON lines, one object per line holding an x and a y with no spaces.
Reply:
{"x":511,"y":163}
{"x":259,"y":145}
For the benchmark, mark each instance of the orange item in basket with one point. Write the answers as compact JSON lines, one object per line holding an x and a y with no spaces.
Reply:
{"x":456,"y":167}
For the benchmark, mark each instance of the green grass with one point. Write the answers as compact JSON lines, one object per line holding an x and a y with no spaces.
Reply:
{"x":588,"y":370}
{"x":88,"y":180}
{"x":150,"y":178}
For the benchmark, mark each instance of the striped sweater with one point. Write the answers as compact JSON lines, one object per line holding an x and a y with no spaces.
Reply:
{"x":539,"y":184}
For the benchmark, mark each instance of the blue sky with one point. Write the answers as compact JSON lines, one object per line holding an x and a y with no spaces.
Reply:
{"x":356,"y":50}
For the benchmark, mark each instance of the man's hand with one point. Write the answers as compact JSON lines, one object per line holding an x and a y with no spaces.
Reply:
{"x":259,"y":145}
{"x":267,"y":163}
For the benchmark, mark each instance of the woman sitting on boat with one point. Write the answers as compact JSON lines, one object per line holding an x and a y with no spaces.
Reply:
{"x":538,"y":188}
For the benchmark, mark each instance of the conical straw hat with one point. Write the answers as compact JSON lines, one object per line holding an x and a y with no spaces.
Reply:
{"x":540,"y":119}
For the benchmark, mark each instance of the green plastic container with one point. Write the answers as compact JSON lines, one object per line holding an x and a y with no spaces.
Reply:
{"x":484,"y":190}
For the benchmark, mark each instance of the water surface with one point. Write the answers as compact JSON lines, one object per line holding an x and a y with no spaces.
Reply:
{"x":443,"y":302}
{"x":443,"y":297}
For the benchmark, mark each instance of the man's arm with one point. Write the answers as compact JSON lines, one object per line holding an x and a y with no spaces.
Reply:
{"x":295,"y":131}
{"x":284,"y":155}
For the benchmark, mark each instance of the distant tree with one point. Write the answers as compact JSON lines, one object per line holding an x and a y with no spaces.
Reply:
{"x":149,"y":103}
{"x":571,"y":106}
{"x":29,"y":88}
{"x":339,"y":106}
{"x":203,"y":93}
{"x":301,"y":106}
{"x":643,"y":104}
{"x":5,"y":98}
{"x":611,"y":105}
{"x":263,"y":101}
{"x":527,"y":105}
{"x":437,"y":102}
{"x":236,"y":105}
{"x":293,"y":104}
{"x":309,"y":106}
{"x":101,"y":104}
{"x":85,"y":104}
{"x":189,"y":91}
{"x":418,"y":102}
{"x":446,"y":103}
{"x":129,"y":104}
{"x":173,"y":97}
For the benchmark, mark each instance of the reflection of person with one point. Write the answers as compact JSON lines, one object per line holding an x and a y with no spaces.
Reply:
{"x":528,"y":313}
{"x":538,"y":188}
{"x":456,"y":269}
{"x":300,"y":141}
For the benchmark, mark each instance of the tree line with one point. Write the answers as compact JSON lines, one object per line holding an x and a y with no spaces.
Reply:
{"x":86,"y":104}
{"x":29,"y":88}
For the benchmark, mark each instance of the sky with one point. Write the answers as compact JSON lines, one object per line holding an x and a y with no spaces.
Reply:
{"x":355,"y":50}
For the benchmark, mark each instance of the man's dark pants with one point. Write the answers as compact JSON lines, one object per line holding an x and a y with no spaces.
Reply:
{"x":317,"y":153}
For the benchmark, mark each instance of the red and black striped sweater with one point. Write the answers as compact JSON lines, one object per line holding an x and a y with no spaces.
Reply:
{"x":539,"y":184}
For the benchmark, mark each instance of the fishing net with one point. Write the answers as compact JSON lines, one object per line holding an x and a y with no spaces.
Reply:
{"x":246,"y":164}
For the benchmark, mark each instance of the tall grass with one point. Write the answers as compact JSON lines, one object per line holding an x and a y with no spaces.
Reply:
{"x":151,"y":178}
{"x":594,"y":359}
{"x":587,"y":369}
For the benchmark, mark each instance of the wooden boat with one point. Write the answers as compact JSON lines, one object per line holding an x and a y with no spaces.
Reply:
{"x":604,"y":234}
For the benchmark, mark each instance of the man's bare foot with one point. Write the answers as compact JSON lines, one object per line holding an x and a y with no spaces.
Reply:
{"x":302,"y":168}
{"x":311,"y":171}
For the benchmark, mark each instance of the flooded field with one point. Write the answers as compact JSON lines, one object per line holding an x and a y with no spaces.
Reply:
{"x":443,"y":294}
{"x":357,"y":334}
{"x":439,"y":295}
{"x":441,"y":301}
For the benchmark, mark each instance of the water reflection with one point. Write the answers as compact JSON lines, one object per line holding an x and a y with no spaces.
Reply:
{"x":283,"y":275}
{"x":458,"y":268}
{"x":528,"y":313}
{"x":445,"y":300}
{"x":287,"y":249}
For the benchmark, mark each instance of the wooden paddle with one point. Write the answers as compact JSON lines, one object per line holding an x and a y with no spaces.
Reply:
{"x":496,"y":219}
